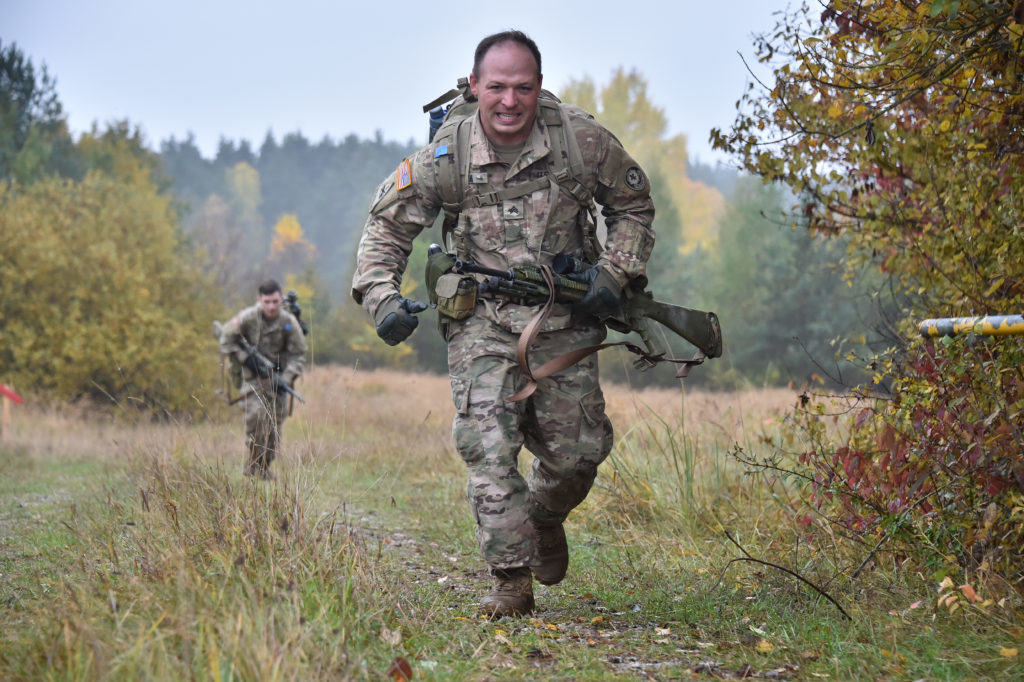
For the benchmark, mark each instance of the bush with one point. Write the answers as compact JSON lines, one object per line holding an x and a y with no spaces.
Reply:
{"x":98,"y":297}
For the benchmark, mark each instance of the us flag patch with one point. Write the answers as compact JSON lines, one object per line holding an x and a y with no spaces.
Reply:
{"x":403,"y":176}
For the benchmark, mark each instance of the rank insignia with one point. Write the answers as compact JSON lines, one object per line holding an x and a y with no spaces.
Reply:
{"x":403,"y":176}
{"x":478,"y":178}
{"x":512,"y":209}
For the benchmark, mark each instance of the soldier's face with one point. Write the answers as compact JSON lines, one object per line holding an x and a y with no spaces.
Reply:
{"x":270,"y":304}
{"x":507,"y":88}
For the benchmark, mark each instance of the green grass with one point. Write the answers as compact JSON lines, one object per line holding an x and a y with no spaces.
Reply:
{"x":148,"y":555}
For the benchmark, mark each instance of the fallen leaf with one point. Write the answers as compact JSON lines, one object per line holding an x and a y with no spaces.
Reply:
{"x":765,"y":647}
{"x":810,"y":655}
{"x":1008,"y":652}
{"x":392,"y":637}
{"x":914,"y":605}
{"x":969,"y":592}
{"x":662,"y":631}
{"x":400,"y":670}
{"x":596,"y":619}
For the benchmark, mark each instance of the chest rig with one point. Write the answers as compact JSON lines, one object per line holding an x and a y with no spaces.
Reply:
{"x":450,"y":132}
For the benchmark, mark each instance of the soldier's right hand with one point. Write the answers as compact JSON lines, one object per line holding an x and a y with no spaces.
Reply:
{"x":259,"y":368}
{"x":396,"y":319}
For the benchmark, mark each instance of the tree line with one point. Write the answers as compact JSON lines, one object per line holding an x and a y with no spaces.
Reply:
{"x":294,"y":209}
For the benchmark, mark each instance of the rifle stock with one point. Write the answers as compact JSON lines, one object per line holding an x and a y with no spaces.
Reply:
{"x":698,"y":327}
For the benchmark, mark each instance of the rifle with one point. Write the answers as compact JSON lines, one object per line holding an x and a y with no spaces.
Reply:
{"x":266,"y":369}
{"x":528,"y":285}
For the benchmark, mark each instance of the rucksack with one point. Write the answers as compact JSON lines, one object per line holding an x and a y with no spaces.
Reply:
{"x":450,"y":130}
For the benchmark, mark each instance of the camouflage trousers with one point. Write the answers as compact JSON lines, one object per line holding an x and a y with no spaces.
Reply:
{"x":265,"y":412}
{"x":563,"y":424}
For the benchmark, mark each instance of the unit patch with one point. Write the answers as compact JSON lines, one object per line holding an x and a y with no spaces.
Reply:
{"x":403,"y":176}
{"x":478,"y":178}
{"x":384,"y":188}
{"x":635,"y":179}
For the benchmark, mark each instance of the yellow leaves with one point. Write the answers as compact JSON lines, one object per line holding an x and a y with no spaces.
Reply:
{"x":945,"y":125}
{"x":764,"y":646}
{"x":287,"y":231}
{"x":835,"y":110}
{"x":1008,"y":652}
{"x":289,"y":247}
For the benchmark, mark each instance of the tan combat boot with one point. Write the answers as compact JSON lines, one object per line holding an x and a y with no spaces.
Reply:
{"x":551,"y":554}
{"x":511,"y":596}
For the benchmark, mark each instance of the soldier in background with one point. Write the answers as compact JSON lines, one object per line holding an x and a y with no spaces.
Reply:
{"x":530,"y":168}
{"x":274,"y":333}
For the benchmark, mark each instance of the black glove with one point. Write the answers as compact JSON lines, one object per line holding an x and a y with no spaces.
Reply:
{"x":261,"y":369}
{"x":604,"y":295}
{"x":396,"y":319}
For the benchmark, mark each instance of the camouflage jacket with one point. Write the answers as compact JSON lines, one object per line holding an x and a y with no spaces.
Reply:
{"x":280,"y":341}
{"x":529,"y":230}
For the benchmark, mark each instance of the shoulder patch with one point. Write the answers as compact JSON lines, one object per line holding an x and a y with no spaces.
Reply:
{"x":403,"y":176}
{"x":635,"y":178}
{"x":385,"y":195}
{"x":442,"y":150}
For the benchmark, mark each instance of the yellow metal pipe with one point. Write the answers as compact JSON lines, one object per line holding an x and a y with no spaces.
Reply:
{"x":989,"y":325}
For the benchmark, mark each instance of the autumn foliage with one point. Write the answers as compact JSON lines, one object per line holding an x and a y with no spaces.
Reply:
{"x":97,"y":296}
{"x":899,"y":125}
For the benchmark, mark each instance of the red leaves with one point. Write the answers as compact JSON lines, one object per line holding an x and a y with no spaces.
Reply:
{"x":400,"y":670}
{"x":951,"y":428}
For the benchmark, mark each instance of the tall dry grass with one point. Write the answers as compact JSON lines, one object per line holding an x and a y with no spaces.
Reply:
{"x":178,"y":566}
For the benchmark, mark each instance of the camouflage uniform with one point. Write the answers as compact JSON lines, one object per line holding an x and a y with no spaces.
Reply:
{"x":563,"y":423}
{"x":280,"y":341}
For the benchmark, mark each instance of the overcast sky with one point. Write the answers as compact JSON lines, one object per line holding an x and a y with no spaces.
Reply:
{"x":239,"y":69}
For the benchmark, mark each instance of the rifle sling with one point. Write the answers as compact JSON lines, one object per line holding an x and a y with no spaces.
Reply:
{"x":570,"y":358}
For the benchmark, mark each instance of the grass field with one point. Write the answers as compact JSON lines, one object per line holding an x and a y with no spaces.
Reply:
{"x":137,"y":550}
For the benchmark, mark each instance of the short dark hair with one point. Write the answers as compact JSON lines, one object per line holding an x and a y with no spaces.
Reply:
{"x":510,"y":36}
{"x":269,"y":286}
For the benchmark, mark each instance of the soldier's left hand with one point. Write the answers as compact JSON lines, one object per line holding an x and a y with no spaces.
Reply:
{"x":604,"y":295}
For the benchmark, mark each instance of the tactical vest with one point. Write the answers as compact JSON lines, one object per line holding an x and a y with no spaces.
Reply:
{"x":452,"y":169}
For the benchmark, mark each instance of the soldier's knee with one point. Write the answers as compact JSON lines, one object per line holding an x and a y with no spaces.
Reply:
{"x":495,"y":485}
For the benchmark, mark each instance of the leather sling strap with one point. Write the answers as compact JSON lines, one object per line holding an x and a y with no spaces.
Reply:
{"x":570,"y":358}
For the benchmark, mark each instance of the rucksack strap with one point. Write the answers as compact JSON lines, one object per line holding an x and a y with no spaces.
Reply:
{"x":452,"y":176}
